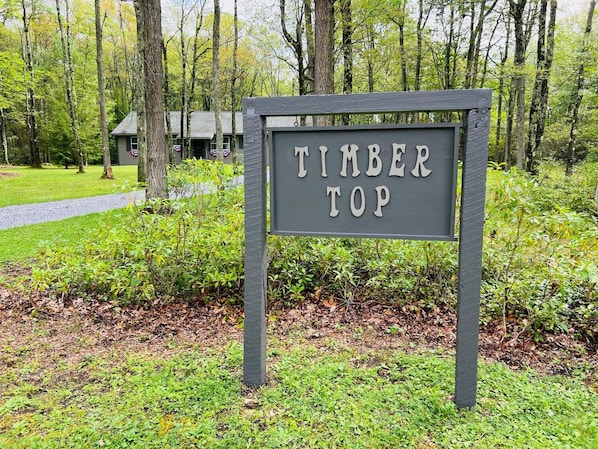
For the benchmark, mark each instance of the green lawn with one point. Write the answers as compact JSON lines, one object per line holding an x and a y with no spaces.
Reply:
{"x":23,"y":242}
{"x":52,"y":183}
{"x":331,"y":398}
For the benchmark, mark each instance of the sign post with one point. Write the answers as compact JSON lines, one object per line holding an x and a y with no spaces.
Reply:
{"x":395,"y":181}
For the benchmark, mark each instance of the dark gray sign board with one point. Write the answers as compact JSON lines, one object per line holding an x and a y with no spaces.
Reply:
{"x":377,"y":181}
{"x":475,"y":104}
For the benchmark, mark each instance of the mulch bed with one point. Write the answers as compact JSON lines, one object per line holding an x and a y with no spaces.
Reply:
{"x":364,"y":326}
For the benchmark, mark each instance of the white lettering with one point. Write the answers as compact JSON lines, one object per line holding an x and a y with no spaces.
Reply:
{"x":323,"y":151}
{"x":333,"y":192}
{"x":375,"y":163}
{"x":397,"y":152}
{"x":301,"y":152}
{"x":423,"y":153}
{"x":349,"y":154}
{"x":382,"y":200}
{"x":354,"y":210}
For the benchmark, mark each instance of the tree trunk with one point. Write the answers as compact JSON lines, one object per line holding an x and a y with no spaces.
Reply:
{"x":139,"y":95}
{"x":448,"y":50}
{"x":501,"y":88}
{"x":508,"y":157}
{"x":311,"y":48}
{"x":32,"y":128}
{"x":347,"y":44}
{"x":185,"y":107}
{"x":296,"y":43}
{"x":69,"y":80}
{"x":577,"y":93}
{"x":537,"y":113}
{"x":324,"y":45}
{"x":475,"y":40}
{"x":167,"y":101}
{"x":4,"y":139}
{"x":217,"y":95}
{"x":154,"y":100}
{"x":370,"y":45}
{"x":233,"y":90}
{"x":107,"y":174}
{"x":422,"y":19}
{"x":517,"y":12}
{"x":193,"y":75}
{"x":401,"y":13}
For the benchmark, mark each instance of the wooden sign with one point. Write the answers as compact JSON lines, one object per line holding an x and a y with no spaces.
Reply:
{"x":394,"y":182}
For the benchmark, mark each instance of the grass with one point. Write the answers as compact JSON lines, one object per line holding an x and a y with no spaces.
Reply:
{"x":21,"y":243}
{"x":335,"y":398}
{"x":55,"y":183}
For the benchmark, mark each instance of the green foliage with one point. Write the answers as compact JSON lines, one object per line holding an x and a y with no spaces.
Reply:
{"x":540,"y":253}
{"x":539,"y":266}
{"x":314,"y":399}
{"x":185,"y":247}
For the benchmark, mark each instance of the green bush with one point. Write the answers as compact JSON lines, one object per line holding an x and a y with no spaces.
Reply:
{"x":540,"y":256}
{"x":539,"y":267}
{"x":192,"y":247}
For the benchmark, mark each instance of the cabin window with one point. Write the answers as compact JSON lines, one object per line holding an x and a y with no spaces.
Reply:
{"x":225,"y":144}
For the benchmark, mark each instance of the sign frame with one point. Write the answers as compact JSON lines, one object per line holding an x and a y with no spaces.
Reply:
{"x":475,"y":105}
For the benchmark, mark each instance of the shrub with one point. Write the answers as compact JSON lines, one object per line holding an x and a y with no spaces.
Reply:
{"x":192,"y":247}
{"x":539,"y":266}
{"x":539,"y":259}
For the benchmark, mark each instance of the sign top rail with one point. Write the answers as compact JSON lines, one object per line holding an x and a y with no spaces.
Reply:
{"x":445,"y":100}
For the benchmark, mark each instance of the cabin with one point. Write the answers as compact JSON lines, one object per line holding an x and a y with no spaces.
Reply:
{"x":203,"y":135}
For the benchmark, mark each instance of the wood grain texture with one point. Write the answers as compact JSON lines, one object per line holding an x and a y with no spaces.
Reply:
{"x":254,"y":355}
{"x":477,"y":105}
{"x":470,"y":255}
{"x":444,"y":100}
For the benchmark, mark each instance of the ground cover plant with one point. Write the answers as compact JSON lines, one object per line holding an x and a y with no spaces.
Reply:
{"x":539,"y":272}
{"x":25,"y":185}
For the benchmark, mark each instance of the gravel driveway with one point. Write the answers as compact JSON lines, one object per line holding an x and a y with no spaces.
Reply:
{"x":13,"y":216}
{"x":26,"y":214}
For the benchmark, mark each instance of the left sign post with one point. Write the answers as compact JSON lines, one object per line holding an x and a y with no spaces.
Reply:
{"x":254,"y":351}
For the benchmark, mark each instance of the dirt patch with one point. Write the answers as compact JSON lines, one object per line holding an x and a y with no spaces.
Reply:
{"x":76,"y":329}
{"x":6,"y":175}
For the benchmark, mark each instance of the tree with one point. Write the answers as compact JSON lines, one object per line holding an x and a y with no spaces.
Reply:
{"x":69,"y":80}
{"x":347,"y":46}
{"x":138,"y":91}
{"x":422,"y":19}
{"x":188,"y":88}
{"x":233,"y":90}
{"x":217,"y":94}
{"x":517,"y":11}
{"x":475,"y":39}
{"x":31,"y":118}
{"x":11,"y":81}
{"x":151,"y":13}
{"x":537,"y":113}
{"x":324,"y":47}
{"x":577,"y":94}
{"x":107,"y":174}
{"x":296,"y":42}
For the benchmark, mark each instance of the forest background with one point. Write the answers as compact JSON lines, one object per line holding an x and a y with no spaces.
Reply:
{"x":539,"y":57}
